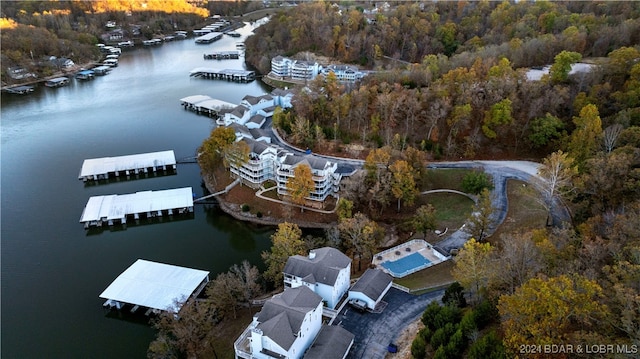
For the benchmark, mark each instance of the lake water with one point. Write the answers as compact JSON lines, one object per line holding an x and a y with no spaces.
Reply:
{"x":52,"y":268}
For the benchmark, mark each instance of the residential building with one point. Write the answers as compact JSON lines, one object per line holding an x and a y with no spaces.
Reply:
{"x":333,"y":342}
{"x":282,"y":97}
{"x":304,"y":70}
{"x":294,"y":69}
{"x":344,"y":72}
{"x":371,"y":287}
{"x":326,"y":271}
{"x":261,"y":165}
{"x":325,"y":178}
{"x":285,"y":327}
{"x":281,"y":66}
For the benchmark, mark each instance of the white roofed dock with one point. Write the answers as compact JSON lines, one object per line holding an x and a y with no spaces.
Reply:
{"x":205,"y":104}
{"x":112,"y":209}
{"x":157,"y":286}
{"x":225,"y":74}
{"x":101,"y":168}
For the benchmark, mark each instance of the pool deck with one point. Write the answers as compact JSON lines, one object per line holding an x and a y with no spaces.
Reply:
{"x":406,"y":249}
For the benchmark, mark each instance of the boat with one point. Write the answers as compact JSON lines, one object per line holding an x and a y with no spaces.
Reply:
{"x":57,"y":82}
{"x":110,"y":62}
{"x":151,"y":42}
{"x":102,"y":70}
{"x":20,"y":90}
{"x":85,"y":75}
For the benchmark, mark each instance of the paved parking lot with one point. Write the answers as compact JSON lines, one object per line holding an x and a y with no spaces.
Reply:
{"x":374,"y":331}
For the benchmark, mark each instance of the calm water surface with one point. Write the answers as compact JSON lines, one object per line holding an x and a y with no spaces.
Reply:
{"x":52,"y":268}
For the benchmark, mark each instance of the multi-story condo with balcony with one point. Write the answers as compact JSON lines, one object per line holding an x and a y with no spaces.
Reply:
{"x":326,"y":179}
{"x":344,"y":72}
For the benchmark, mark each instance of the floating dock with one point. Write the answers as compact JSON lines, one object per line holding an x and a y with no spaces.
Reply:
{"x":114,"y":209}
{"x":102,"y":168}
{"x":205,"y":104}
{"x":101,"y":70}
{"x":226,"y":74}
{"x":20,"y":90}
{"x":57,"y":82}
{"x":156,"y":286}
{"x":85,"y":75}
{"x":222,"y":55}
{"x":209,"y":38}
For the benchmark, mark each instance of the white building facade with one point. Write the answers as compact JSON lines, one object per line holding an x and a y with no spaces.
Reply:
{"x":285,"y":327}
{"x":326,"y":271}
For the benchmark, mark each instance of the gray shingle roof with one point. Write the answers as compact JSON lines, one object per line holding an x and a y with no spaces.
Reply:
{"x":372,"y":283}
{"x":333,"y":342}
{"x":314,"y":162}
{"x":323,"y":268}
{"x":281,"y":316}
{"x":257,"y":119}
{"x":256,"y":147}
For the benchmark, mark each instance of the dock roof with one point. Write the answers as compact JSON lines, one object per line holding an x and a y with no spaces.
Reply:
{"x":119,"y":206}
{"x":155,"y":285}
{"x":104,"y":165}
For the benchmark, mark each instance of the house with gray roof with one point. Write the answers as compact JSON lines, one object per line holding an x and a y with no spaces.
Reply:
{"x":333,"y":342}
{"x":371,"y":287}
{"x":286,"y":326}
{"x":326,"y":271}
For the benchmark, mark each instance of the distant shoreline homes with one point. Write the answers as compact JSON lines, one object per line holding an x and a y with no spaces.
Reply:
{"x":300,"y":70}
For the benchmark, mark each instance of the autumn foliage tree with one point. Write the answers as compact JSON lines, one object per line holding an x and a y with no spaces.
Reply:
{"x":300,"y":185}
{"x":473,"y":267}
{"x":286,"y":241}
{"x":563,"y":309}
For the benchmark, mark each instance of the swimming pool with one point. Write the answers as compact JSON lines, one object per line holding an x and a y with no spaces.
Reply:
{"x":406,"y":265}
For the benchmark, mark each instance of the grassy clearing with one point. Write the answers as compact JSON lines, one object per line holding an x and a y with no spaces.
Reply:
{"x":435,"y":276}
{"x":452,"y":210}
{"x":227,"y":331}
{"x":524,"y":212}
{"x":445,"y":178}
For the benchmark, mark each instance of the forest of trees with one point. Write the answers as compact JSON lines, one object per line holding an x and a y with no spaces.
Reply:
{"x":474,"y":103}
{"x":35,"y":30}
{"x":448,"y":85}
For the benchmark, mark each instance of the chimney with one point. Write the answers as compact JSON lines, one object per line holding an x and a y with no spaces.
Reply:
{"x":312,"y":254}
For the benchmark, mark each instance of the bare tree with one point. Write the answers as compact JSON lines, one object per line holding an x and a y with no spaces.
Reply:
{"x":247,"y":277}
{"x":557,"y":173}
{"x":611,"y":135}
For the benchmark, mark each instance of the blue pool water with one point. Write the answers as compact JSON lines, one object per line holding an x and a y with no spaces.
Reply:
{"x":403,"y":265}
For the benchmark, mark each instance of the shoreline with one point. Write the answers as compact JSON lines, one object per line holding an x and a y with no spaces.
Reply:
{"x":234,"y":210}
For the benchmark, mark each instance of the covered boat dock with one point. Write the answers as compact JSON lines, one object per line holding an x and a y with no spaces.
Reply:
{"x":113,"y":209}
{"x":156,"y":286}
{"x":226,"y":74}
{"x":205,"y":104}
{"x":209,"y":38}
{"x":102,"y":168}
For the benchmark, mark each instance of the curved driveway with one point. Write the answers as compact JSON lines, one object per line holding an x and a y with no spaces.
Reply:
{"x":374,"y":331}
{"x":500,"y":171}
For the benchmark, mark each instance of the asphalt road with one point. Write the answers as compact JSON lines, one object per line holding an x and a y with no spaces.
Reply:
{"x":375,"y":331}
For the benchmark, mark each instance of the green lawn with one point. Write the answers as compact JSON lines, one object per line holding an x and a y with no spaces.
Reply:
{"x":452,"y":209}
{"x":436,"y":276}
{"x":524,"y":212}
{"x":445,"y":178}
